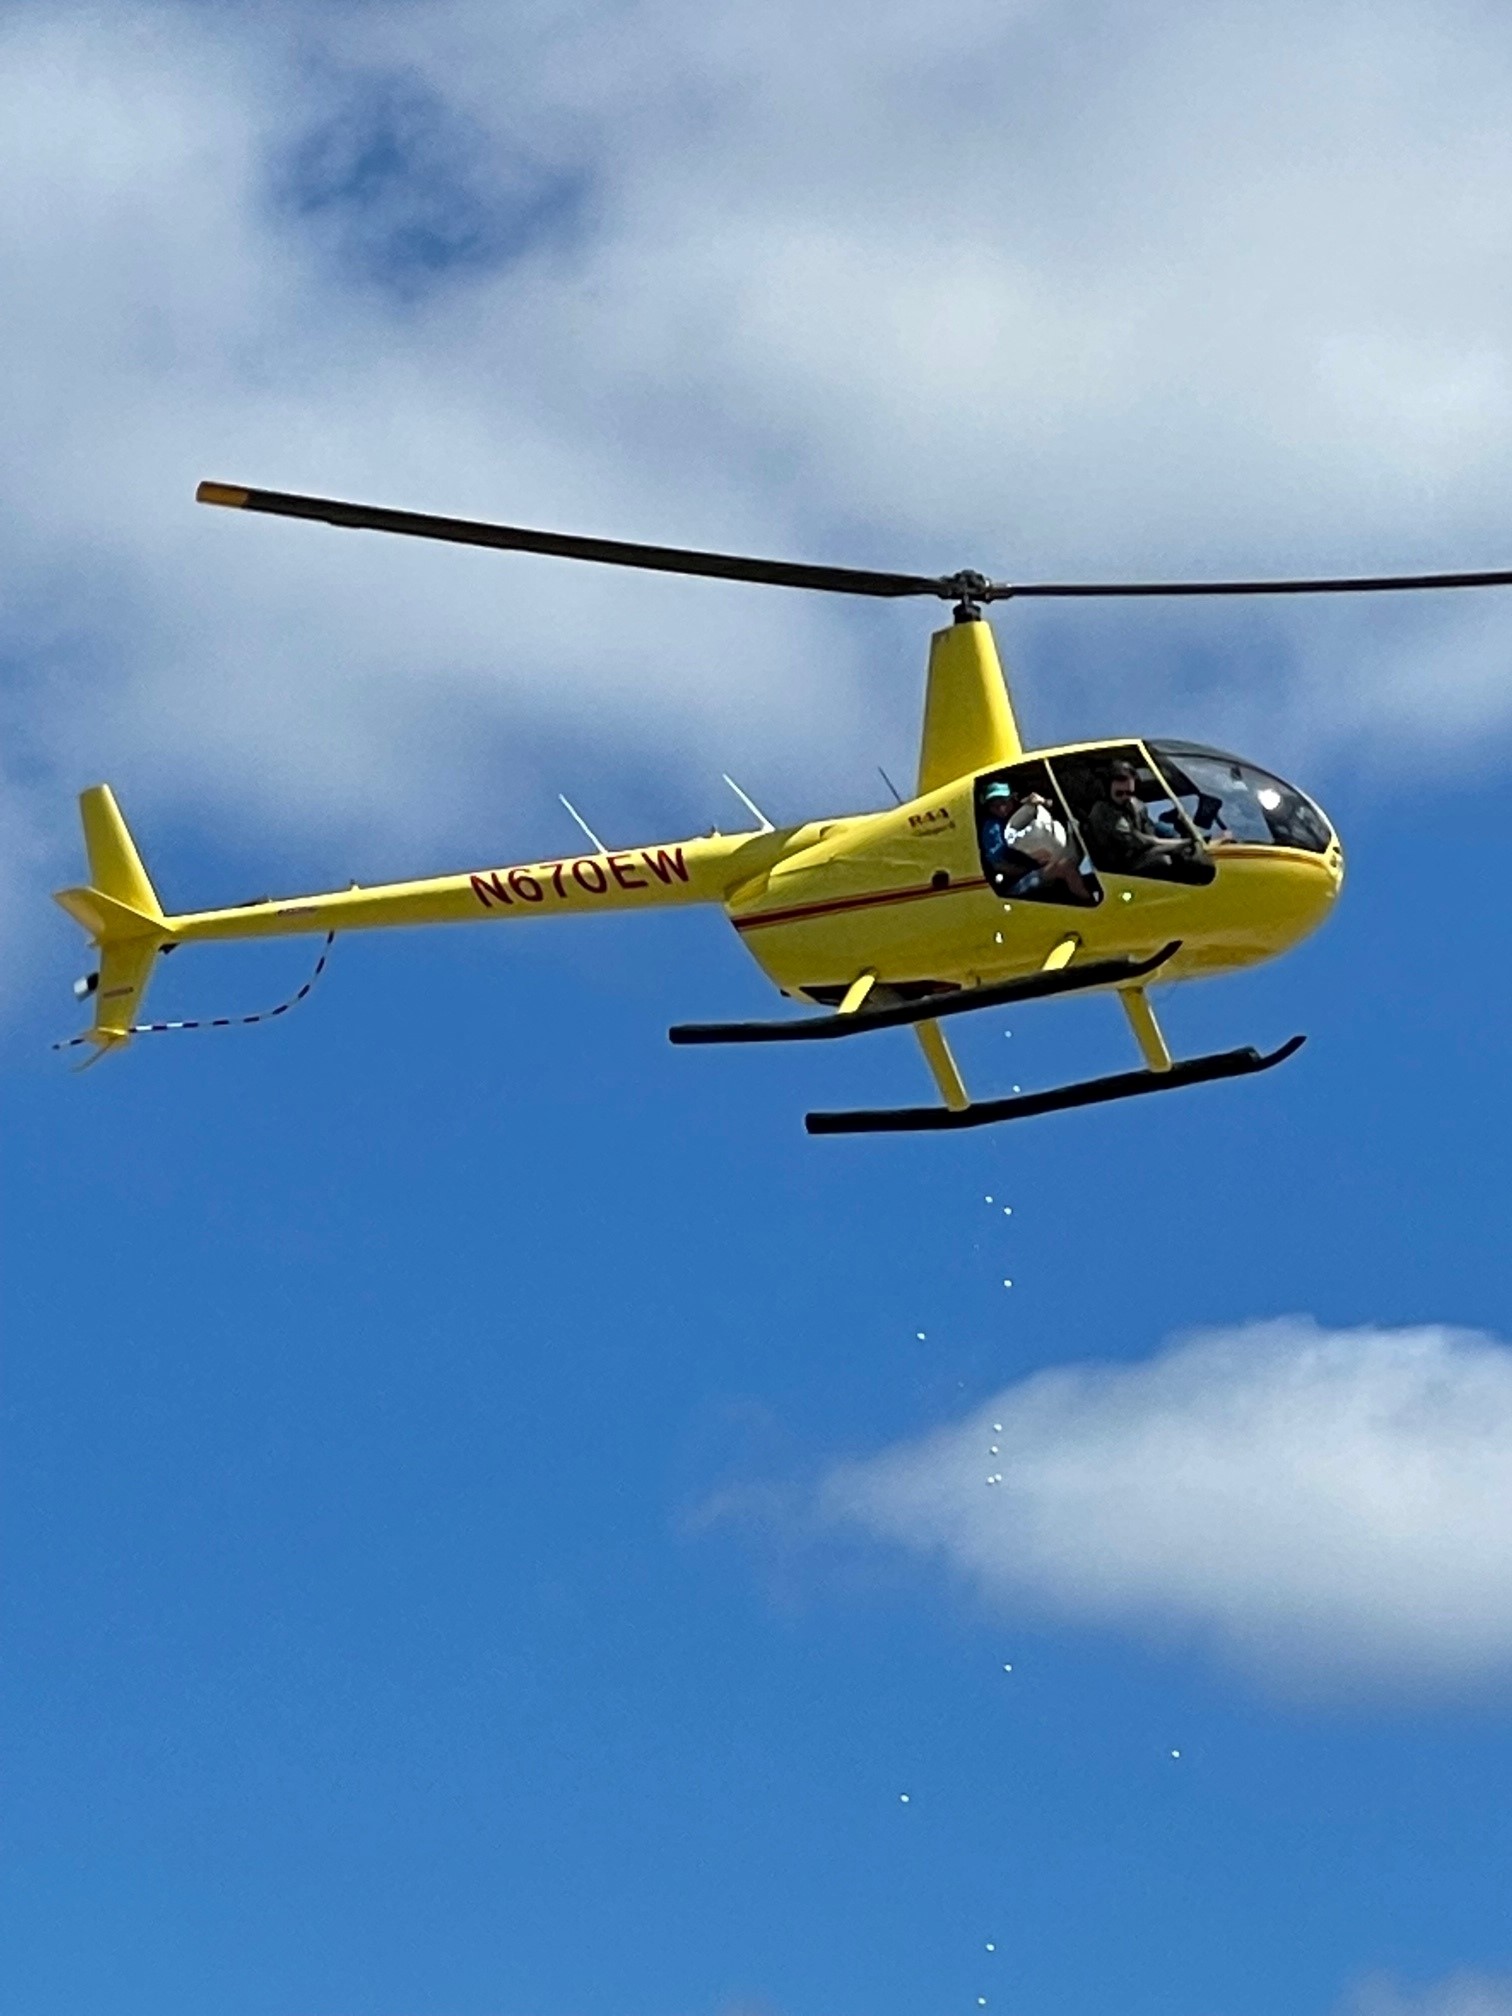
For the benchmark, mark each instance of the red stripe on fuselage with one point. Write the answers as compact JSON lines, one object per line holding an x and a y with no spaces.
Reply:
{"x":801,"y":912}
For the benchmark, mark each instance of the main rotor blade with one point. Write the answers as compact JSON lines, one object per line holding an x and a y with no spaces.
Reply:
{"x":569,"y":546}
{"x":963,"y":586}
{"x":1342,"y":584}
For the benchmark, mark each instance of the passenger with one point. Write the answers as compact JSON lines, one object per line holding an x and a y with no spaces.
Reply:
{"x":1124,"y":838}
{"x":1003,"y":858}
{"x":1022,"y":837}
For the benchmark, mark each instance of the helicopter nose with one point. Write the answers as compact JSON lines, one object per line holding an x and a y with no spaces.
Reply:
{"x":1332,"y":864}
{"x":1281,"y":896}
{"x":1309,"y":887}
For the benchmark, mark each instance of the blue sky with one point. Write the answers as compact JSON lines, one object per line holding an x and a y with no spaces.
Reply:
{"x":434,"y":1426}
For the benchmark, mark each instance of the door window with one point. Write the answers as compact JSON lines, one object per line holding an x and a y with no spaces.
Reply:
{"x":1031,"y":849}
{"x":1131,"y":823}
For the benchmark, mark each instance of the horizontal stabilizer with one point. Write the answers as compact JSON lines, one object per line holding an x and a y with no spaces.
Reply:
{"x":1091,"y":1092}
{"x":105,"y":919}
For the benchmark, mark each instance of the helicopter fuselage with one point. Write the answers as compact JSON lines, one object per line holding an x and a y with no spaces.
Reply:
{"x":1102,"y":864}
{"x":907,"y":894}
{"x":903,"y":894}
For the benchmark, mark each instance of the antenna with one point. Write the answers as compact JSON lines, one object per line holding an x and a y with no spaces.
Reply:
{"x":599,"y":846}
{"x":754,"y":809}
{"x":897,"y":794}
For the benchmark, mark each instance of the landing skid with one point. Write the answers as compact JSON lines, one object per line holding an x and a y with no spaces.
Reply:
{"x":930,"y":1008}
{"x":1091,"y":1092}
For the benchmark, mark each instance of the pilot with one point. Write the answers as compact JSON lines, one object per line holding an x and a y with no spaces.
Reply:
{"x":1025,"y":846}
{"x":1125,"y":838}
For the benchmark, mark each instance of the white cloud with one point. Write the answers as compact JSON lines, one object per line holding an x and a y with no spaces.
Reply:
{"x":175,"y":319}
{"x":1046,"y":288}
{"x":1458,"y":1995}
{"x":1326,"y":1508}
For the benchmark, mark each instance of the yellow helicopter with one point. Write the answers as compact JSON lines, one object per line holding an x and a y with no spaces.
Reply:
{"x":1011,"y":875}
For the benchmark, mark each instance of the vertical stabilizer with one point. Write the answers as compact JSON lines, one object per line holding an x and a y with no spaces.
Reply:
{"x":120,"y":911}
{"x":968,"y":716}
{"x":115,"y":867}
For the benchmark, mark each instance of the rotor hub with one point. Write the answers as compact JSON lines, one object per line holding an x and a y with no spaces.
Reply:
{"x":970,"y":590}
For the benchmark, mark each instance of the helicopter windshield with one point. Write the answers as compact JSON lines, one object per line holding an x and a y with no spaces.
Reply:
{"x":1229,"y":800}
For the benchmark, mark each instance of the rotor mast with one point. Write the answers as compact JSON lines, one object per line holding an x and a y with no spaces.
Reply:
{"x":969,"y":722}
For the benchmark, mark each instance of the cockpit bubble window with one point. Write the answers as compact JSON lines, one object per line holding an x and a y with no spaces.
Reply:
{"x":1130,"y":821}
{"x":1229,"y":800}
{"x":1031,"y":850}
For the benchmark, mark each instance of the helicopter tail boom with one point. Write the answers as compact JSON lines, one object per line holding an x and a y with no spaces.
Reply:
{"x":120,"y":910}
{"x":641,"y":878}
